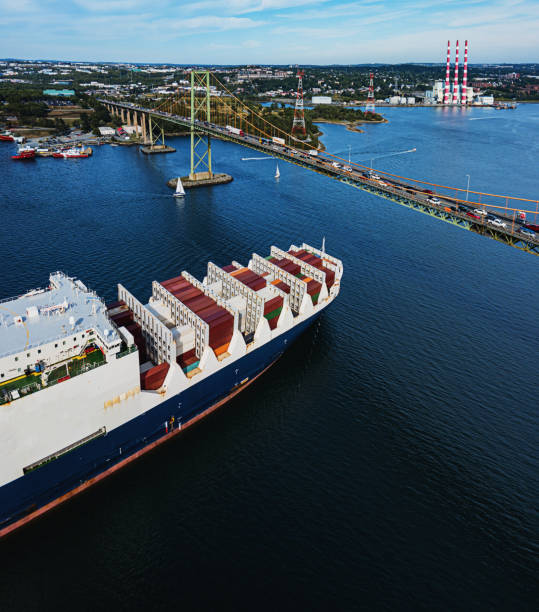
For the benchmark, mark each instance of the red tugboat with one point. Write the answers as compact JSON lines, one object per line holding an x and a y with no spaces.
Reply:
{"x":25,"y":153}
{"x":7,"y":137}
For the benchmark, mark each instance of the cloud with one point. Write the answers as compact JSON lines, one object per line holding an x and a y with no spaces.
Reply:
{"x":241,"y":7}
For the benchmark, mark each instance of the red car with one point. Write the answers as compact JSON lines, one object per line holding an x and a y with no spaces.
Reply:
{"x":473,"y":215}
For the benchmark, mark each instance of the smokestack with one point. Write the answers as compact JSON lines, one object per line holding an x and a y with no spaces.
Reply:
{"x":465,"y":75}
{"x":456,"y":80}
{"x":447,"y":69}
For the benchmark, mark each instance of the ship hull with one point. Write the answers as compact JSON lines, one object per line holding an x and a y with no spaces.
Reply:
{"x":40,"y":490}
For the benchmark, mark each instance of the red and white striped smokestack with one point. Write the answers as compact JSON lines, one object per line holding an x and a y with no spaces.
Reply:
{"x":456,"y":80}
{"x":447,"y":70}
{"x":465,"y":75}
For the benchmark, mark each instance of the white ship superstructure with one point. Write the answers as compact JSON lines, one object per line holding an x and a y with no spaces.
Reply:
{"x":86,"y":386}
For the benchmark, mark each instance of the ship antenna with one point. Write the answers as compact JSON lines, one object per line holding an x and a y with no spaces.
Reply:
{"x":323,"y":249}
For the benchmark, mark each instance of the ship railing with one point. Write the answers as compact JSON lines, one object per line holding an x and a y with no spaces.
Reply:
{"x":83,"y":370}
{"x":128,"y":350}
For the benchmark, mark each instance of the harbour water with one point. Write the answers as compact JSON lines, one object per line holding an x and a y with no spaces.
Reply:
{"x":388,"y":461}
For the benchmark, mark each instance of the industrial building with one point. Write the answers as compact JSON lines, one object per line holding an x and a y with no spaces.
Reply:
{"x":321,"y":100}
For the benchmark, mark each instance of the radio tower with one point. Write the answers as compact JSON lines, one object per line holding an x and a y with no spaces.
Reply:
{"x":298,"y":125}
{"x":464,"y":99}
{"x":447,"y":71}
{"x":370,"y":98}
{"x":456,"y":81}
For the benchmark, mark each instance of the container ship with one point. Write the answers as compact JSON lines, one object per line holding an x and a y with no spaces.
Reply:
{"x":87,"y":387}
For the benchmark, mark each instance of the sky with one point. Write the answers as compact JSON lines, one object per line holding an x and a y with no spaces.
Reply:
{"x":269,"y":31}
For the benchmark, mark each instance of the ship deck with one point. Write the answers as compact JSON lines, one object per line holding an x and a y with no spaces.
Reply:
{"x":64,"y":308}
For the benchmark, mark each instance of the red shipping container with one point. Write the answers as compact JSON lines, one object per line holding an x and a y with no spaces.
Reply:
{"x":198,"y":303}
{"x":177,"y":286}
{"x":172,"y":281}
{"x":216,"y":321}
{"x":257,"y":284}
{"x":229,"y":268}
{"x":188,"y":294}
{"x":212,"y":316}
{"x":272,"y":304}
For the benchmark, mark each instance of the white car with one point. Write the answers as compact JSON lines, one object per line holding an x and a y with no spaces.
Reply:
{"x":480,"y":211}
{"x":374,"y":176}
{"x":383,"y":183}
{"x":347,"y":169}
{"x":336,"y":165}
{"x":496,"y":222}
{"x":434,"y":200}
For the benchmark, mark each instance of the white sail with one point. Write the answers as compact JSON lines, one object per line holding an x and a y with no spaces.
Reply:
{"x":277,"y":173}
{"x":180,"y":191}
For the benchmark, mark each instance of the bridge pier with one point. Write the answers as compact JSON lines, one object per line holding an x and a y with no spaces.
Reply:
{"x":145,"y":137}
{"x":200,"y":181}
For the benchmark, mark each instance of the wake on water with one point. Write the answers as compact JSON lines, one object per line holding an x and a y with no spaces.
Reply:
{"x":390,"y":154}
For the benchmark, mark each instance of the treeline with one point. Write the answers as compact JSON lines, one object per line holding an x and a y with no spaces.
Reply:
{"x":341,"y":113}
{"x":26,"y":104}
{"x":91,"y":122}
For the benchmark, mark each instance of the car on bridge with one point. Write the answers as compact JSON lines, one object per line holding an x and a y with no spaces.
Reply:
{"x":526,"y":233}
{"x":433,"y":200}
{"x":495,"y":222}
{"x":481,"y":211}
{"x":473,"y":215}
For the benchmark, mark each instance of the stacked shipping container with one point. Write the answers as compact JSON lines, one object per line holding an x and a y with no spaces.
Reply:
{"x":317,"y":262}
{"x":154,"y":378}
{"x":219,"y":320}
{"x":249,"y":278}
{"x":272,"y":310}
{"x":122,"y":316}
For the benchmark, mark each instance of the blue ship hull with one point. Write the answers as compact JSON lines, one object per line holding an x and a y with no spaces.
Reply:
{"x":29,"y":495}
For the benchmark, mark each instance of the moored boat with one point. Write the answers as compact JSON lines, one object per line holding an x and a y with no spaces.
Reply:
{"x":73,"y":153}
{"x":25,"y":153}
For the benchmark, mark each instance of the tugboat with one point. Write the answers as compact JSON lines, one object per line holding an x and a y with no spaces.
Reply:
{"x":7,"y":137}
{"x":25,"y":153}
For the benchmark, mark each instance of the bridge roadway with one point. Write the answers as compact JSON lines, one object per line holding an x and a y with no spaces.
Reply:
{"x":451,"y":210}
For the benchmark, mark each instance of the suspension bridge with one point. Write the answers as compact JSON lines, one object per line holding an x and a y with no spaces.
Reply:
{"x":207,"y":109}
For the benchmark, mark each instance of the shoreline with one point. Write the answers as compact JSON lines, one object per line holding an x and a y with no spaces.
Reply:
{"x":351,"y":126}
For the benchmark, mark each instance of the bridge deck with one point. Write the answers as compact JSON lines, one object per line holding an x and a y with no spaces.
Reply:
{"x":448,"y":209}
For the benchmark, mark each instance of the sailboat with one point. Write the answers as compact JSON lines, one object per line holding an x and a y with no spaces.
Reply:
{"x":180,"y":191}
{"x":277,"y":173}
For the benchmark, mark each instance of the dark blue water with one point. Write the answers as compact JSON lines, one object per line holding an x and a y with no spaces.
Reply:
{"x":388,"y":461}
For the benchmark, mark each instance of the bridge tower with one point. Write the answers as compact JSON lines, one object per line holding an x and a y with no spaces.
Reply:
{"x":200,"y":110}
{"x":370,"y":108}
{"x":298,"y":125}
